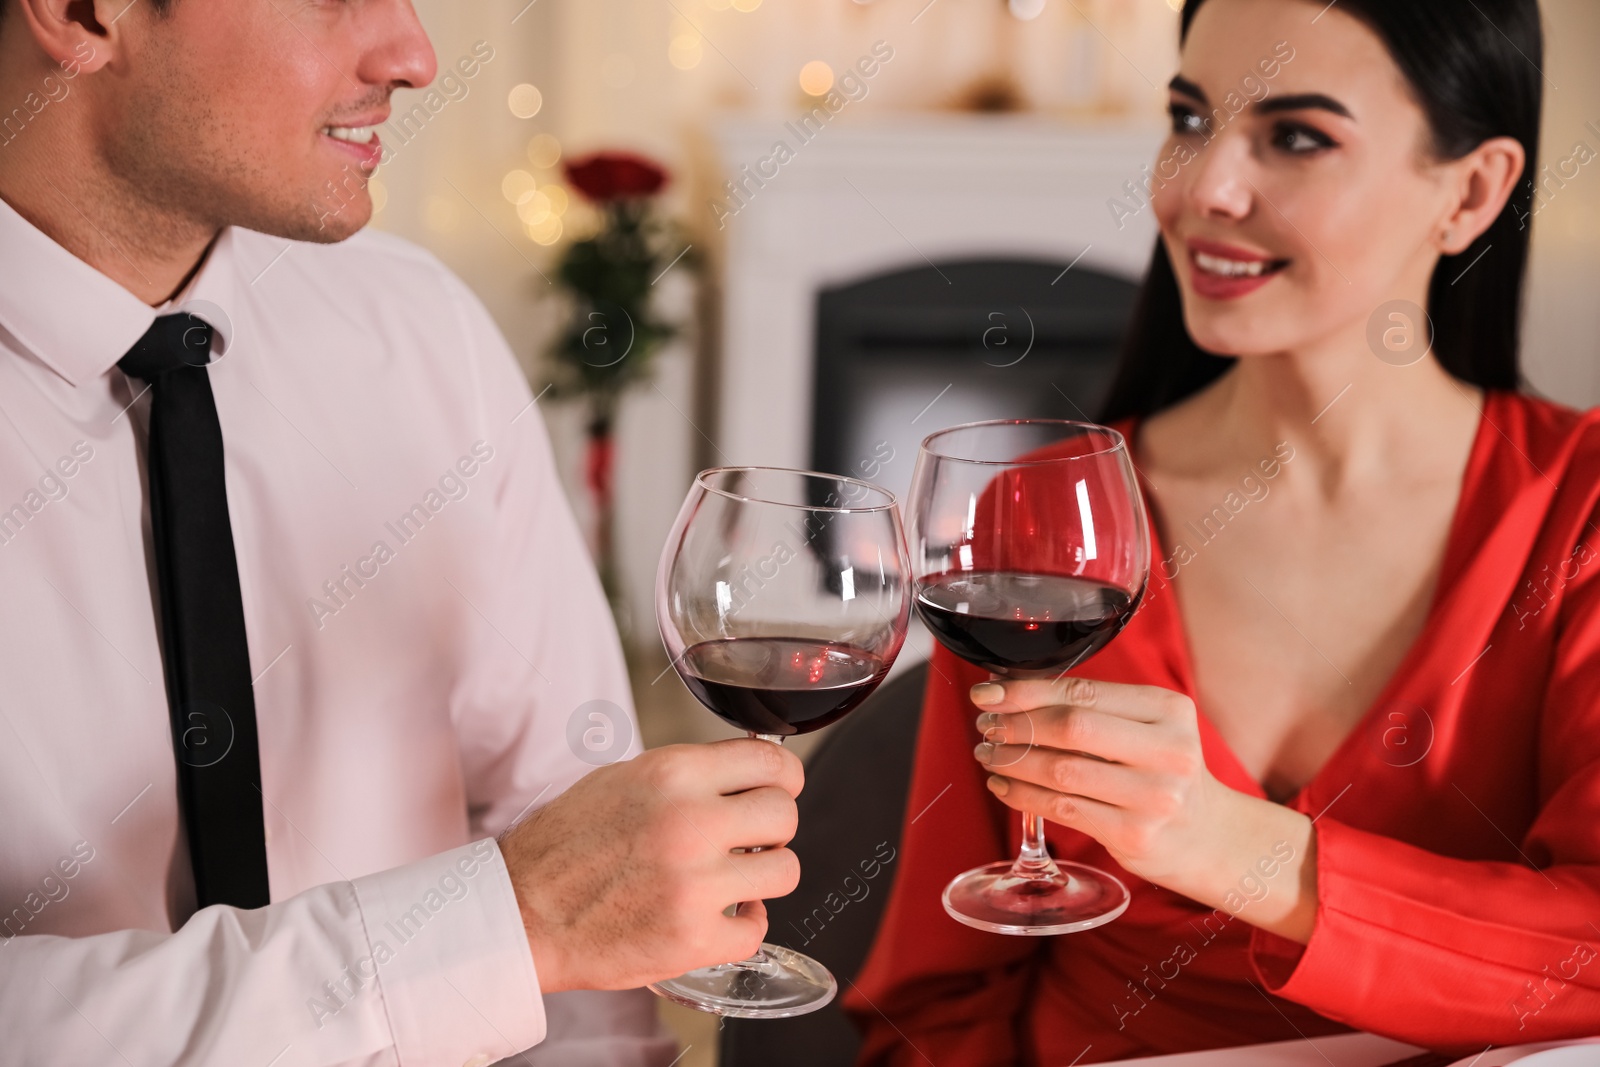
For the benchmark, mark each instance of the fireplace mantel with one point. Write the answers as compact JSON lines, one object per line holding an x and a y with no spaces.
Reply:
{"x":861,"y":197}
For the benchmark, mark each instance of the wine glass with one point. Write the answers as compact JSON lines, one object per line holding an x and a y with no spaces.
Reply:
{"x":783,"y":597}
{"x":1030,"y":551}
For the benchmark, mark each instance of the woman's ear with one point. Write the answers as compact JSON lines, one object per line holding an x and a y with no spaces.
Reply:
{"x":1484,"y":181}
{"x":80,"y":35}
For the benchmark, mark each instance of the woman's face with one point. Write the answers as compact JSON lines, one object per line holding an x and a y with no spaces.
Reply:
{"x":1295,"y":193}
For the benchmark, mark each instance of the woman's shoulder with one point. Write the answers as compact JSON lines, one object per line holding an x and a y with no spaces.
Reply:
{"x":1544,"y":432}
{"x":1549,"y":450}
{"x":1541,"y":413}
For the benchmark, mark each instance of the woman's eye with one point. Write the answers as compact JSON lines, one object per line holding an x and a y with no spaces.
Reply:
{"x":1300,"y":140}
{"x":1186,"y":120}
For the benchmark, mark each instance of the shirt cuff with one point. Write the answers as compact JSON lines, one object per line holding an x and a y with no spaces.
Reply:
{"x":452,"y":958}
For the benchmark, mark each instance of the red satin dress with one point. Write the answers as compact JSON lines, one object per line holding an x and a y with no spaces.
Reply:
{"x":1458,"y":845}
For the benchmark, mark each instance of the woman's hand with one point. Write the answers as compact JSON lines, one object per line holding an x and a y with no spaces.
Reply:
{"x":1123,"y":763}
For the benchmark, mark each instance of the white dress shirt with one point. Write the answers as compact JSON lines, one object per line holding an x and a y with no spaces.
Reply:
{"x":427,"y":638}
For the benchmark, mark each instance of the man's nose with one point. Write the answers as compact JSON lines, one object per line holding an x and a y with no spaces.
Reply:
{"x":399,"y":52}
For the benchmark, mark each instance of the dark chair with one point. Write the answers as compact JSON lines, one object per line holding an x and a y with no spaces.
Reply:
{"x":851,"y":814}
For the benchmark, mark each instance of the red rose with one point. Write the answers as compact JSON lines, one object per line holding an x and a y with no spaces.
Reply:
{"x":606,"y":176}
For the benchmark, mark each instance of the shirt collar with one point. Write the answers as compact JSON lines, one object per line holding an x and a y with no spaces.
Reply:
{"x":79,"y":322}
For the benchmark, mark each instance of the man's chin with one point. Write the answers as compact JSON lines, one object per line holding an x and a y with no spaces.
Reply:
{"x":314,"y":219}
{"x":331,"y":231}
{"x":322,"y":223}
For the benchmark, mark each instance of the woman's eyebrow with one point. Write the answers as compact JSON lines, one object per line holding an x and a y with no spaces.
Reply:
{"x":1299,"y":101}
{"x":1183,"y":85}
{"x":1272,"y":104}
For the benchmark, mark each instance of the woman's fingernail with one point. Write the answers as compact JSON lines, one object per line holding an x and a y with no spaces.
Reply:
{"x":984,"y":752}
{"x":998,"y":785}
{"x":987,"y":693}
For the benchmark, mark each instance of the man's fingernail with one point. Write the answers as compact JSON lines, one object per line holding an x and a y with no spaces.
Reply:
{"x":984,"y":752}
{"x":998,"y":785}
{"x":987,"y":693}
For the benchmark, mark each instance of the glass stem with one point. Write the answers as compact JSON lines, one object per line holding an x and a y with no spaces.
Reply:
{"x":760,"y":961}
{"x":1034,"y":858}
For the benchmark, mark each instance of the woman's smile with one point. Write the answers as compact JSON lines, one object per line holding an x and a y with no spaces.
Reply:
{"x":1226,"y":272}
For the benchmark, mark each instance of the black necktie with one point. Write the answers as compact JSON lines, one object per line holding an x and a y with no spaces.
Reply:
{"x":207,"y":658}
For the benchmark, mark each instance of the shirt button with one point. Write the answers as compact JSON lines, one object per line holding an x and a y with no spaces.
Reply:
{"x":480,"y":1060}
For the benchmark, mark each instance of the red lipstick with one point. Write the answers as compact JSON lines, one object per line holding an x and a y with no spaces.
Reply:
{"x":1219,"y":271}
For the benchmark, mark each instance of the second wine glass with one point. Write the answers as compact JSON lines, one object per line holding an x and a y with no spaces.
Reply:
{"x":783,"y":597}
{"x":1030,"y":551}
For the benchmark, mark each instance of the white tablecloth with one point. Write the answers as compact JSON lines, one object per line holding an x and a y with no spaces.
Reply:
{"x":1340,"y":1050}
{"x":1369,"y":1050}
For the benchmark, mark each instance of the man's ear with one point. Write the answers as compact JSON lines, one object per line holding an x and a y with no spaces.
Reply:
{"x":1487,"y":177}
{"x":80,"y":35}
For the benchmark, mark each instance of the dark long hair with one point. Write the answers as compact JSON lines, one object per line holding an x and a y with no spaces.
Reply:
{"x":1475,"y":71}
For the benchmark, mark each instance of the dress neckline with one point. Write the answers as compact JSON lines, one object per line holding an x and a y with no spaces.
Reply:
{"x":1450,"y":566}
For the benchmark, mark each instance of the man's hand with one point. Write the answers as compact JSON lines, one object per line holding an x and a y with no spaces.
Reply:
{"x":623,"y":879}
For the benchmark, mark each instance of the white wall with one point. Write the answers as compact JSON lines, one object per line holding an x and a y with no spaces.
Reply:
{"x":1561,"y":350}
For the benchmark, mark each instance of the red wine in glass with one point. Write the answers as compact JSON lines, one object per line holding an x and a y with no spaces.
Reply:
{"x":1030,"y":553}
{"x":1007,"y":622}
{"x":780,"y":685}
{"x":783,"y":597}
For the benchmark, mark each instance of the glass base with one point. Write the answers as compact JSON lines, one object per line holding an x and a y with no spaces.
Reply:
{"x":1065,"y":899}
{"x":776,"y":983}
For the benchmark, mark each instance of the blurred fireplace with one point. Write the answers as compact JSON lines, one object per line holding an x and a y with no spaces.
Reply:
{"x":902,"y":354}
{"x":880,"y":194}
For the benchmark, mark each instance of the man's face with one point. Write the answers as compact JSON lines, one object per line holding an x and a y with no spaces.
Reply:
{"x":253,"y":112}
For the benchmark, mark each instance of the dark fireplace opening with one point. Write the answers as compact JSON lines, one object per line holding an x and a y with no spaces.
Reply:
{"x":902,"y":354}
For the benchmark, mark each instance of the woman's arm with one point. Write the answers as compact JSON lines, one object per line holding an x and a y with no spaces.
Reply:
{"x":1371,"y":931}
{"x":1458,"y":953}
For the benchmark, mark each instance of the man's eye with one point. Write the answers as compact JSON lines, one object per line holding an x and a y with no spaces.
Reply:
{"x":1296,"y":139}
{"x":1186,"y":120}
